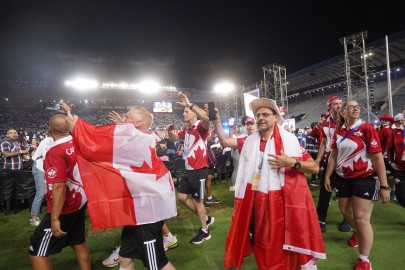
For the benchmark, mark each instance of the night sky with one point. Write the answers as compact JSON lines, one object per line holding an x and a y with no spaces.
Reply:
{"x":189,"y":44}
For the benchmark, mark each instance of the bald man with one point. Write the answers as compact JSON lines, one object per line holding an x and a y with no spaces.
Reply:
{"x":64,"y":224}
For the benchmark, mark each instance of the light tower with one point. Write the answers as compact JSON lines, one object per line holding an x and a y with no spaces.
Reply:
{"x":275,"y":84}
{"x":355,"y":67}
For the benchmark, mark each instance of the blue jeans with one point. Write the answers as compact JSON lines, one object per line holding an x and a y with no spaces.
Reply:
{"x":39,"y":177}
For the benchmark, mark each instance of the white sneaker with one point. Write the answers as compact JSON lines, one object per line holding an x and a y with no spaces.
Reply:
{"x":170,"y":242}
{"x":232,"y":188}
{"x":35,"y":222}
{"x":112,"y":260}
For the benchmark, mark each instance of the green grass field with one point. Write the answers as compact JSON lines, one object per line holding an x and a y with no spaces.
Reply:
{"x":388,"y":223}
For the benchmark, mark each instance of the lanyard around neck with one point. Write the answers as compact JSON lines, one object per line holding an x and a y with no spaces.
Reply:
{"x":329,"y":133}
{"x":350,"y":132}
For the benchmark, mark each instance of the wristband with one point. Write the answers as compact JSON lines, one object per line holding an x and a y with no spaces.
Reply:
{"x":191,"y":106}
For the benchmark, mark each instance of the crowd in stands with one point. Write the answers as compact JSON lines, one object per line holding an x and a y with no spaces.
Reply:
{"x":34,"y":121}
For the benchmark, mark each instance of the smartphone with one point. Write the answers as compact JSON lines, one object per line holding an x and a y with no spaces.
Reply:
{"x":52,"y":106}
{"x":211,"y":111}
{"x":72,"y":109}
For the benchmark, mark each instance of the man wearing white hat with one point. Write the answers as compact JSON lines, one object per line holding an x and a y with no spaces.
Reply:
{"x":274,"y":215}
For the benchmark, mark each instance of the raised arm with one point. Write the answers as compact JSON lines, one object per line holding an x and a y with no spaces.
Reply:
{"x":223,"y":139}
{"x":201,"y":113}
{"x":116,"y":118}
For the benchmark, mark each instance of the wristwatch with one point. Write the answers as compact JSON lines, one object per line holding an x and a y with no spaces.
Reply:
{"x":297,"y":165}
{"x":385,"y":187}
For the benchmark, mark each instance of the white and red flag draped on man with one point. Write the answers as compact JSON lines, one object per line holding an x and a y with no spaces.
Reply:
{"x":125,"y":182}
{"x":286,"y":227}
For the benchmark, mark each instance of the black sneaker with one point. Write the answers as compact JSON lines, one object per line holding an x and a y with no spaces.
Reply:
{"x":210,"y":220}
{"x":345,"y":226}
{"x":323,"y":226}
{"x":313,"y":184}
{"x":207,"y":205}
{"x":212,"y":200}
{"x":201,"y":237}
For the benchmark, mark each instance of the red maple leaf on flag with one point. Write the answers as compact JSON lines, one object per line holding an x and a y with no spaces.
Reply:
{"x":158,"y":167}
{"x":199,"y":152}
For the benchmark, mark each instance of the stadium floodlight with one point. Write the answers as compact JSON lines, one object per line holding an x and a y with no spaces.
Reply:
{"x":82,"y":84}
{"x":149,"y":87}
{"x":224,"y":88}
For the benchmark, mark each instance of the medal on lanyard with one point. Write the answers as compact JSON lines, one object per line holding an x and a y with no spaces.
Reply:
{"x":403,"y":140}
{"x":256,"y":175}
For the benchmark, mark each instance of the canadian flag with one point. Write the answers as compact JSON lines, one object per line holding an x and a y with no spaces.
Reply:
{"x":286,"y":228}
{"x":125,"y":182}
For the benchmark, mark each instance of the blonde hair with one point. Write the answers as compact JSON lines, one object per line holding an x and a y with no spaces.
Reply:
{"x":146,"y":115}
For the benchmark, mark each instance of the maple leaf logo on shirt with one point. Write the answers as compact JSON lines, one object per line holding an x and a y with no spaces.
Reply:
{"x":359,"y":167}
{"x":198,"y":153}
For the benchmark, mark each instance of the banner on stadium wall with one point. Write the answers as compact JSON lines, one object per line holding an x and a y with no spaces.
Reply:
{"x":248,"y":98}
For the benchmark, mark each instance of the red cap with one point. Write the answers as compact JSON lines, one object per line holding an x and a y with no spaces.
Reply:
{"x":386,"y":117}
{"x":249,"y":119}
{"x":331,"y":99}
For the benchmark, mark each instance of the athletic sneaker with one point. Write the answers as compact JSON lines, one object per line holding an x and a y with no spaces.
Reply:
{"x":363,"y":265}
{"x":201,"y":237}
{"x":170,"y":242}
{"x":232,"y":188}
{"x":345,"y":226}
{"x":210,"y":220}
{"x":113,"y":259}
{"x":353,"y":242}
{"x":313,"y":184}
{"x":212,"y":200}
{"x":35,"y":222}
{"x":323,"y":226}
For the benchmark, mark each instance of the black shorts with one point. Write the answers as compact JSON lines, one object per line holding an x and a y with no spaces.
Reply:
{"x":193,"y":182}
{"x":43,"y":243}
{"x":144,"y":242}
{"x":365,"y":188}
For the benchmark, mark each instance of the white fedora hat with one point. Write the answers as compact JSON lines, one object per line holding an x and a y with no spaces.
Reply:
{"x":267,"y":103}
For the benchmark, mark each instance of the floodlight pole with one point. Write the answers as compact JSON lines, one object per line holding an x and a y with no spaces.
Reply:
{"x":276,"y":76}
{"x":355,"y":65}
{"x":390,"y":106}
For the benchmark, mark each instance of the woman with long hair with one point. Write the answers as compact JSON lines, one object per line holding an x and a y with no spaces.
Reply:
{"x":180,"y":150}
{"x":357,"y":159}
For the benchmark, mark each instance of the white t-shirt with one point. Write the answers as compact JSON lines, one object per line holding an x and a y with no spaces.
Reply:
{"x":41,"y":151}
